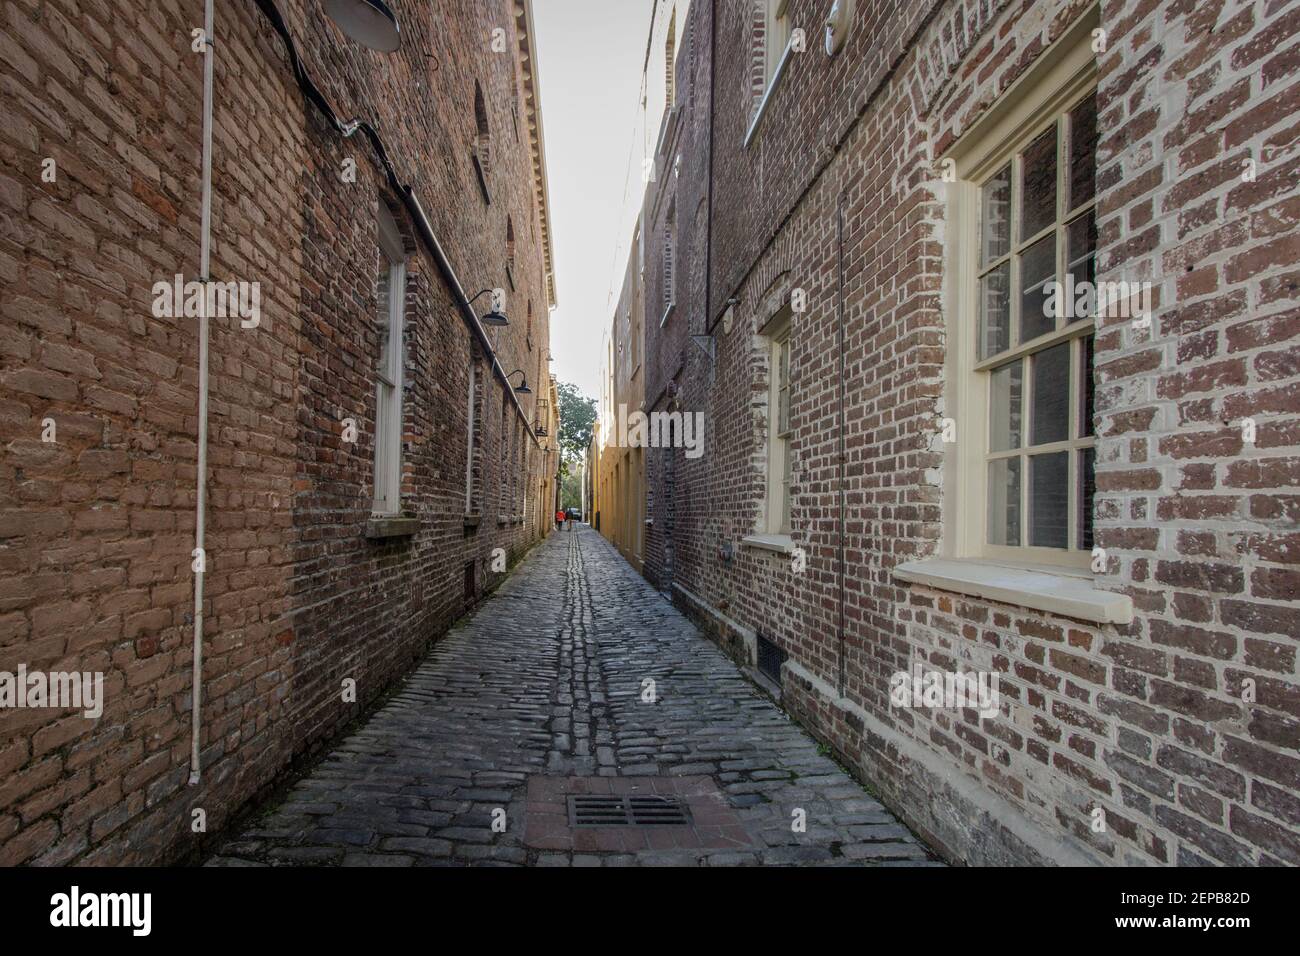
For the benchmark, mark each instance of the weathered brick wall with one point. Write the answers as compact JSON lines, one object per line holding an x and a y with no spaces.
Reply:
{"x":97,"y":526}
{"x":1145,"y":721}
{"x":681,"y":185}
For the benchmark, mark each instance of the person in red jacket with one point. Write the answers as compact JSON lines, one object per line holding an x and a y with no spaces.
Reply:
{"x":559,"y":520}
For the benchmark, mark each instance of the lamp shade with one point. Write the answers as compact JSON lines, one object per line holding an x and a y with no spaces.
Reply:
{"x":368,"y":22}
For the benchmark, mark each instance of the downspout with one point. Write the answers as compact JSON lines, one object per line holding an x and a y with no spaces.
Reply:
{"x":839,"y":306}
{"x":200,"y":503}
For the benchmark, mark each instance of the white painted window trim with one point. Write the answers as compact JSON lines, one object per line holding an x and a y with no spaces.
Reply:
{"x":1056,"y":592}
{"x":469,"y":447}
{"x":780,"y":543}
{"x":1061,"y":75}
{"x":777,"y":337}
{"x":388,"y":373}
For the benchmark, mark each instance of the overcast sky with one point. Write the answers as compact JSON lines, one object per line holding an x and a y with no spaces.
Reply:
{"x":590,"y":55}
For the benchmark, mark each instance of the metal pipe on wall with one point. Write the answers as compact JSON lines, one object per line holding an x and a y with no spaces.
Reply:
{"x":201,"y":494}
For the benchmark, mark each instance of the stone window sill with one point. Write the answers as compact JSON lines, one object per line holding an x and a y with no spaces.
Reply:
{"x":780,"y":543}
{"x":380,"y":527}
{"x":1063,"y":592}
{"x":472,"y":521}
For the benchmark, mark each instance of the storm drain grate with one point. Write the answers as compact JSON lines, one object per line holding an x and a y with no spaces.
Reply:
{"x":602,"y":810}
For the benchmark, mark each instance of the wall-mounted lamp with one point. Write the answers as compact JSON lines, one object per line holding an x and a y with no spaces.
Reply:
{"x":368,"y":22}
{"x":838,"y":22}
{"x":522,"y":388}
{"x":494,"y":317}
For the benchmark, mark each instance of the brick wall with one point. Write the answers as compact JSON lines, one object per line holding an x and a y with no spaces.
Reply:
{"x":98,"y":525}
{"x":1145,"y":721}
{"x":681,"y":187}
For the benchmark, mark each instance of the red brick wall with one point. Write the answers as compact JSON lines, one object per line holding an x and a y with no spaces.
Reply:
{"x":1145,"y":721}
{"x":97,"y":527}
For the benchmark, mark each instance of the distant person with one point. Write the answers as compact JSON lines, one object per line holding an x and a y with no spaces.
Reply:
{"x":559,"y":520}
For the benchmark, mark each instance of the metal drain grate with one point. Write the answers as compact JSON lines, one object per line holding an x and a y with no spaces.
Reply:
{"x":770,"y":659}
{"x":602,"y":810}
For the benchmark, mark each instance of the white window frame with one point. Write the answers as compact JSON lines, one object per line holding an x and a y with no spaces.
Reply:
{"x":669,"y":263}
{"x":779,"y":453}
{"x":388,"y":371}
{"x":1054,"y":87}
{"x":776,"y":36}
{"x":470,"y":438}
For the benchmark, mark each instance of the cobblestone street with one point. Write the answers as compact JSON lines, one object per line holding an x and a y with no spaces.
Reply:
{"x":538,"y":697}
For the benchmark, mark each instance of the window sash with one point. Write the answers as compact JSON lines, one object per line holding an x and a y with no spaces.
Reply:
{"x":388,"y":399}
{"x":1057,"y":81}
{"x":776,"y":37}
{"x":778,"y":434}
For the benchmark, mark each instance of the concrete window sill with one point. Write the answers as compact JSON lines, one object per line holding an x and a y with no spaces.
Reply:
{"x":1065,"y":593}
{"x":380,"y":527}
{"x":780,"y":543}
{"x":472,"y":521}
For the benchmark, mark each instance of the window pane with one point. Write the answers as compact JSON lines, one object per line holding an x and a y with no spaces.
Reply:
{"x":1050,"y":395}
{"x":1049,"y":500}
{"x":1004,"y":406}
{"x":382,"y":322}
{"x":1004,"y":502}
{"x":1083,"y":151}
{"x":1081,"y":261}
{"x":995,"y":311}
{"x":787,"y":459}
{"x":783,"y":411}
{"x":1086,"y":406}
{"x":1087,"y":488}
{"x":995,"y":217}
{"x":1037,"y":268}
{"x":1038,"y":189}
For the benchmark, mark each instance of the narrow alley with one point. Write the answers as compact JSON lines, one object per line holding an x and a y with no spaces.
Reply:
{"x":528,"y":703}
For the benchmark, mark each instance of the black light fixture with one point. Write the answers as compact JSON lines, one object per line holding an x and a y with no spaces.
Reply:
{"x":495,"y":317}
{"x":522,"y":388}
{"x":368,"y":22}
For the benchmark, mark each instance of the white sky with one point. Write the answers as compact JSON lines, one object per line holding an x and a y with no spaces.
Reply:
{"x":590,"y":55}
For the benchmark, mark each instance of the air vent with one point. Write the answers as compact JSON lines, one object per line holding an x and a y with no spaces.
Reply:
{"x":600,"y":810}
{"x":770,"y":659}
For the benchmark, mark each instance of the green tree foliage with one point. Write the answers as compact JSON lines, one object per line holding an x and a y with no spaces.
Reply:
{"x":577,"y":416}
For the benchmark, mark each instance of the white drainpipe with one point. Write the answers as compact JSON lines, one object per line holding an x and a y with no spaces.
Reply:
{"x":200,"y":510}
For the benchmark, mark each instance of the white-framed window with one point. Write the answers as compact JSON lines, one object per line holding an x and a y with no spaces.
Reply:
{"x":388,"y":366}
{"x":670,"y":262}
{"x":779,"y":453}
{"x":474,"y":436}
{"x":670,"y":61}
{"x":776,"y":36}
{"x":1024,"y":234}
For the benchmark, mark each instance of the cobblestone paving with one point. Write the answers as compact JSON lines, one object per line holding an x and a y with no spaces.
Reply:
{"x":546,"y":680}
